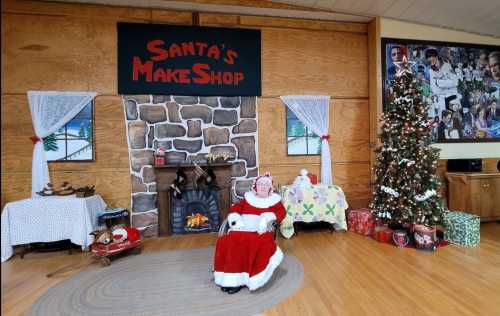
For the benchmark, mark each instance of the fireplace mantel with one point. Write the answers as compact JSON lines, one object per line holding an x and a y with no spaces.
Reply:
{"x":165,"y":175}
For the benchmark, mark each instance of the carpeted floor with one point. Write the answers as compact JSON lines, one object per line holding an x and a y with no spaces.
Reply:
{"x":166,"y":283}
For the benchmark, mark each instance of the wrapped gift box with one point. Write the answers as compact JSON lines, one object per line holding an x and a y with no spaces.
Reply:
{"x":361,"y":221}
{"x":462,"y":228}
{"x":383,"y":234}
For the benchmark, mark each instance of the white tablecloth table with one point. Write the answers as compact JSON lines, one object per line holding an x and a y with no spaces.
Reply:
{"x":48,"y":219}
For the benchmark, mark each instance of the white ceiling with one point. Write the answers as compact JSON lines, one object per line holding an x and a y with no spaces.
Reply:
{"x":475,"y":16}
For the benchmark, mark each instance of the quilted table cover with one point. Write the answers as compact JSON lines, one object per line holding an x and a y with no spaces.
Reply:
{"x":320,"y":202}
{"x":48,"y":219}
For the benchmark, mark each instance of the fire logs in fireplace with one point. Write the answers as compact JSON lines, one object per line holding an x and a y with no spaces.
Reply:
{"x":197,"y":222}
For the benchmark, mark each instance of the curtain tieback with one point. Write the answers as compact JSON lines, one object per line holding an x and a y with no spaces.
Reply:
{"x":35,"y":139}
{"x":325,"y":137}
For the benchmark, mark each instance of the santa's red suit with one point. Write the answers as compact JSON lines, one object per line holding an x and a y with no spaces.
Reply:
{"x":248,"y":254}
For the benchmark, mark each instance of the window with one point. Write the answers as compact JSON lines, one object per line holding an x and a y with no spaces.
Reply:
{"x":73,"y":141}
{"x":300,"y":141}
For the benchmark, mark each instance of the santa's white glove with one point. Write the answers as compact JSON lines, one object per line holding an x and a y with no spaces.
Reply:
{"x":265,"y":219}
{"x":262,"y":226}
{"x":235,"y":221}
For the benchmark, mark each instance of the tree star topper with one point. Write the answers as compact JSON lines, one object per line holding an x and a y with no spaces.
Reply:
{"x":403,"y":66}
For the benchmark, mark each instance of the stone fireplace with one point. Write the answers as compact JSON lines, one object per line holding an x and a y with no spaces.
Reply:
{"x":188,"y":127}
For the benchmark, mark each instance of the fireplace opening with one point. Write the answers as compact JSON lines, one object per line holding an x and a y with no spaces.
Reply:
{"x":196,"y":212}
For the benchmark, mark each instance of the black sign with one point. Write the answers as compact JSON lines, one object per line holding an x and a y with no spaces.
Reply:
{"x":187,"y":60}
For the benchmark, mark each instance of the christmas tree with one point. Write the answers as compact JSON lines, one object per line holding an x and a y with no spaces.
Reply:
{"x":407,"y":187}
{"x":50,"y":143}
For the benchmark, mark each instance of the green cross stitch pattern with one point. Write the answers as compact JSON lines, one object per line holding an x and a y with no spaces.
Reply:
{"x":330,"y":210}
{"x":308,"y":209}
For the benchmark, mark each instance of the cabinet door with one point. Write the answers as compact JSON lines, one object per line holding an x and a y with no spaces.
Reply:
{"x":490,"y":197}
{"x":477,"y":195}
{"x":458,"y":193}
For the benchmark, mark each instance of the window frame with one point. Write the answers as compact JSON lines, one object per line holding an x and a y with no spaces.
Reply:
{"x":92,"y":115}
{"x":306,"y":137}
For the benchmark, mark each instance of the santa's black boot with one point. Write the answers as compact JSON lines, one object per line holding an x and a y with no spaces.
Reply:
{"x":233,"y":290}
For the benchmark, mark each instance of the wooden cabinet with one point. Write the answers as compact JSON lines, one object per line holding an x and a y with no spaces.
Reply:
{"x":477,"y":193}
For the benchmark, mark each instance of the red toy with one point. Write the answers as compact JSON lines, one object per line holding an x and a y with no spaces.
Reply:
{"x":123,"y":239}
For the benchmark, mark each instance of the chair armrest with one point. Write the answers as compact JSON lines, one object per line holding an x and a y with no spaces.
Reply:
{"x":273,"y":225}
{"x":224,"y":226}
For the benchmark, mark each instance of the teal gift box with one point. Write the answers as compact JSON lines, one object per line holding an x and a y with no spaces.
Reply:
{"x":462,"y":228}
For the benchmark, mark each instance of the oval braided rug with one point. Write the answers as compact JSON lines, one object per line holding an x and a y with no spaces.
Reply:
{"x":166,"y":283}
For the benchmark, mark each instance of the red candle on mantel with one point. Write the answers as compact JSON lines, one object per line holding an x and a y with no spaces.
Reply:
{"x":160,"y":157}
{"x":159,"y":160}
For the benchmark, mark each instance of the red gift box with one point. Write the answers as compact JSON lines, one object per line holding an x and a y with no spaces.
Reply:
{"x":383,"y":234}
{"x":361,"y":221}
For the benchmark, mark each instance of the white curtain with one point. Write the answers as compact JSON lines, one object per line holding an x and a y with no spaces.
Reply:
{"x":312,"y":110}
{"x":50,"y":110}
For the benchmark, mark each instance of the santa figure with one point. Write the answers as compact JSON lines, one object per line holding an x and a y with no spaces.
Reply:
{"x":126,"y":233}
{"x":248,"y":254}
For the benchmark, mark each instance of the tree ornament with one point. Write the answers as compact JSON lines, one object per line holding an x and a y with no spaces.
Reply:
{"x":404,"y":67}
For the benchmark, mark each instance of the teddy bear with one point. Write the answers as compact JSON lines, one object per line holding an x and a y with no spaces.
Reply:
{"x":102,"y":236}
{"x":116,"y":235}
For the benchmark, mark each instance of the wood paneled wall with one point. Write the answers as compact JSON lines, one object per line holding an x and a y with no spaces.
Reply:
{"x":313,"y":57}
{"x":56,"y":46}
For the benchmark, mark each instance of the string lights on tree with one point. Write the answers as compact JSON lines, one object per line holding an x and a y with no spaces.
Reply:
{"x":407,"y":186}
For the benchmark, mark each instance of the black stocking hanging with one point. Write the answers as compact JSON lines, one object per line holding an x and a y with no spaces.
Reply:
{"x":210,"y":177}
{"x":178,"y":183}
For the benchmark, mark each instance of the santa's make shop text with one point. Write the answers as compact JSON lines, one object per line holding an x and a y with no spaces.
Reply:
{"x":199,"y":73}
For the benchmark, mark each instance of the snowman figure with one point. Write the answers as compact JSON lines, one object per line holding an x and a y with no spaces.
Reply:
{"x":300,"y":184}
{"x":302,"y":181}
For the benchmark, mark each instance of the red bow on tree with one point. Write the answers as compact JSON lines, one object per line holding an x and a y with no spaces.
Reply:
{"x":327,"y":137}
{"x":35,"y":139}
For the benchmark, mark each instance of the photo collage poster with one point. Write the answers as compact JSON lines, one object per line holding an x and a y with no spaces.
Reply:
{"x":459,"y":83}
